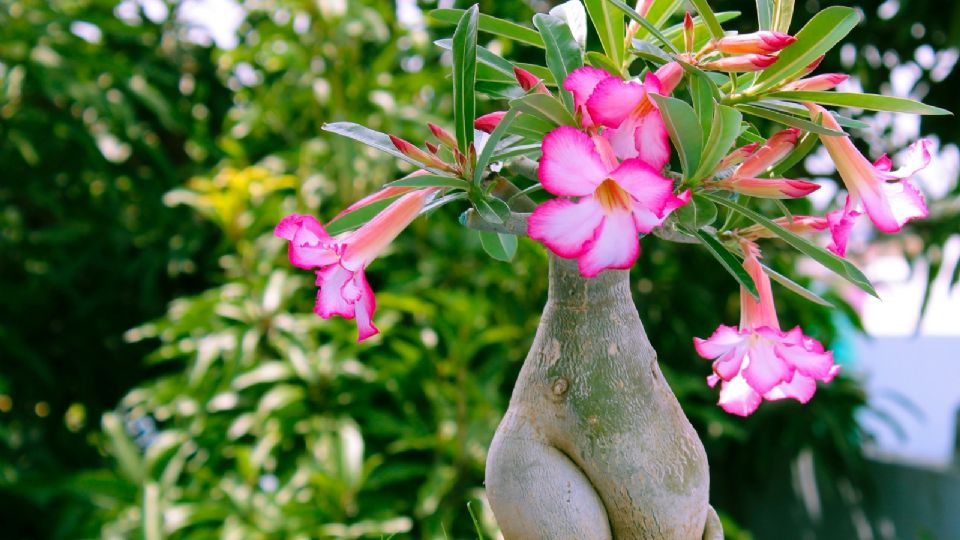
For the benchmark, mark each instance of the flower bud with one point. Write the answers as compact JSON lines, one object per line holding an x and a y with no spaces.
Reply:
{"x":740,"y":64}
{"x":777,"y":148}
{"x":528,"y":81}
{"x":764,"y":42}
{"x":768,"y":188}
{"x":445,"y":137}
{"x":410,"y":150}
{"x":689,"y":34}
{"x":670,"y":75}
{"x":488,"y":122}
{"x":827,"y":81}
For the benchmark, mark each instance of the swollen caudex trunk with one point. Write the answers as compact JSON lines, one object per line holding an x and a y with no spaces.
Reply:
{"x":594,"y":444}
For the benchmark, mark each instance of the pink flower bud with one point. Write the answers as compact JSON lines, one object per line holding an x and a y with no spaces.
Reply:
{"x":410,"y":150}
{"x":827,"y":81}
{"x":740,"y":64}
{"x":769,"y":188}
{"x":528,"y":81}
{"x":488,"y":122}
{"x":777,"y":148}
{"x":737,"y":156}
{"x":689,"y":34}
{"x":764,"y":42}
{"x":442,"y":135}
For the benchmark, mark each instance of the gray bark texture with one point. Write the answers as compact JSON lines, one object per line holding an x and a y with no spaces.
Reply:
{"x":594,"y":444}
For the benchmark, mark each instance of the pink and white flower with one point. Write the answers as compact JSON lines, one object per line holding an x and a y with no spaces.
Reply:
{"x":616,"y":201}
{"x":634,"y":125}
{"x":759,"y":361}
{"x":340,"y":262}
{"x":888,"y":197}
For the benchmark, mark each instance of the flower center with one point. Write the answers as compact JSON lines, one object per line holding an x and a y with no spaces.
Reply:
{"x":645,"y":106}
{"x":611,"y":196}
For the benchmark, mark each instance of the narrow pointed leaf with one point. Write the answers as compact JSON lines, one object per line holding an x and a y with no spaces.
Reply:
{"x":602,"y":61}
{"x":659,"y":13}
{"x":839,"y":266}
{"x":428,"y":180}
{"x":728,"y":261}
{"x":723,"y":134}
{"x":492,"y":25}
{"x":796,"y":109}
{"x":645,"y":24}
{"x":684,"y":130}
{"x":563,"y":53}
{"x":374,"y":139}
{"x":765,"y":14}
{"x":465,"y":77}
{"x":491,"y":145}
{"x":782,"y":15}
{"x":818,"y":36}
{"x":870,"y":102}
{"x":795,"y":287}
{"x":786,"y":119}
{"x":530,"y":127}
{"x":608,"y":21}
{"x":703,"y":8}
{"x":545,"y":107}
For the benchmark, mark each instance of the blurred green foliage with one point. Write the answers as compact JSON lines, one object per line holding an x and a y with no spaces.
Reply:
{"x":142,"y":176}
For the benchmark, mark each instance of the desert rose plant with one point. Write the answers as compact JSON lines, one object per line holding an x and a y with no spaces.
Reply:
{"x":593,"y":152}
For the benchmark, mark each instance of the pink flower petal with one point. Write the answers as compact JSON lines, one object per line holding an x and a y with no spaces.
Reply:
{"x":368,"y":242}
{"x":623,"y":139}
{"x":801,"y":388}
{"x":613,"y":100}
{"x":330,"y":298}
{"x":723,"y":339}
{"x":581,"y":82}
{"x":310,"y":246}
{"x":764,"y":368}
{"x":364,"y":307}
{"x":737,"y":397}
{"x":891,"y":205}
{"x":841,"y":222}
{"x":616,"y":245}
{"x":564,"y":226}
{"x":652,"y":141}
{"x":917,"y":158}
{"x":644,"y":184}
{"x":570,"y":164}
{"x":805,"y":354}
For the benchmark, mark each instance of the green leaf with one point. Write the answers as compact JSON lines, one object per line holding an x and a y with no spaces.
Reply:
{"x":696,"y":214}
{"x":601,"y":61}
{"x":429,"y":180}
{"x":502,"y":69}
{"x":839,"y":266}
{"x":358,"y":217}
{"x":491,"y":209}
{"x":723,"y":135}
{"x":765,"y":14}
{"x":659,"y":13}
{"x":544,"y":106}
{"x":464,"y":78}
{"x":817,"y":37}
{"x":728,"y":261}
{"x":531,"y":127}
{"x":796,"y":109}
{"x":870,"y":102}
{"x":684,"y":129}
{"x":786,"y":119}
{"x":563,"y":52}
{"x":514,"y":151}
{"x":492,"y":25}
{"x":645,"y":24}
{"x":375,"y":139}
{"x":782,"y":15}
{"x":491,"y":145}
{"x":709,"y":18}
{"x":650,"y":52}
{"x":795,"y":287}
{"x":609,"y":25}
{"x":501,"y":247}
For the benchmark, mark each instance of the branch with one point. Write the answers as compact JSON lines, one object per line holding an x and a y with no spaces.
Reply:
{"x":516,"y":224}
